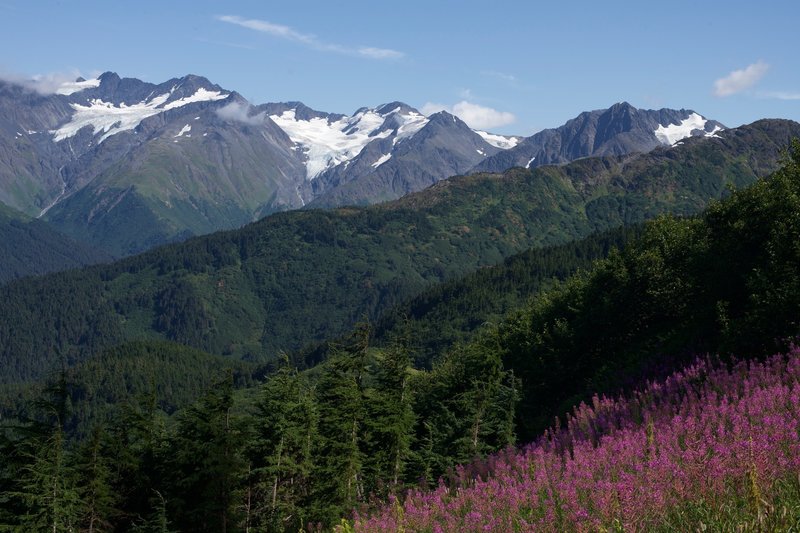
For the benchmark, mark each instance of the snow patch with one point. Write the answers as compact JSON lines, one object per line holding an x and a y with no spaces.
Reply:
{"x":499,"y":141}
{"x":383,"y":159}
{"x":109,"y":119}
{"x":184,"y":130}
{"x":71,"y":87}
{"x":672,"y":133}
{"x":531,"y":160}
{"x":328,"y":143}
{"x":201,"y":95}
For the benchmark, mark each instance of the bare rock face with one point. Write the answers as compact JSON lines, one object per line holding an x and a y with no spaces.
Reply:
{"x":619,"y":130}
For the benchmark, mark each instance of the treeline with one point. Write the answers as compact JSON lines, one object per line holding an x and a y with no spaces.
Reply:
{"x":174,"y":376}
{"x":315,"y":446}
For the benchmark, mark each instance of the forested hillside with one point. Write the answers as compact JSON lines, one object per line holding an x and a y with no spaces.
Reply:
{"x":365,"y":425}
{"x":252,"y":292}
{"x":454,"y":311}
{"x":31,"y":247}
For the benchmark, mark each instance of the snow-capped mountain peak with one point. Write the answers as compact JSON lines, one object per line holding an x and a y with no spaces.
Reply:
{"x":670,"y":134}
{"x":110,"y":105}
{"x":331,"y":140}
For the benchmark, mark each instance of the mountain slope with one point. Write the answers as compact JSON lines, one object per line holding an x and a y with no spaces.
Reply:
{"x":126,"y":165}
{"x":301,"y":277}
{"x":443,"y":146}
{"x":452,"y":312}
{"x":31,"y":247}
{"x":726,"y":282}
{"x":619,"y":130}
{"x":197,"y":172}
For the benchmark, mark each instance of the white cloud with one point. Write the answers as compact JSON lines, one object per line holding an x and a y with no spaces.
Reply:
{"x":499,"y":75}
{"x":41,"y":83}
{"x":380,"y":53}
{"x":240,"y":112}
{"x":476,"y":116}
{"x":780,"y":95}
{"x":307,"y":39}
{"x":739,"y":80}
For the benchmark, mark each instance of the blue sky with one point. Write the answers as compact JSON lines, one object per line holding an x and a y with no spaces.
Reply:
{"x":510,"y":67}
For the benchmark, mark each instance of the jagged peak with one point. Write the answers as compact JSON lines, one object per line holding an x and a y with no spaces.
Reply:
{"x":395,"y":107}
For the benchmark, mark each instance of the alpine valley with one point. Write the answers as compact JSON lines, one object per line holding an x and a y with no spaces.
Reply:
{"x":124,"y":165}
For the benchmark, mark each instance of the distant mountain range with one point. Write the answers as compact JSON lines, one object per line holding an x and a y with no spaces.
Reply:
{"x":125,"y":165}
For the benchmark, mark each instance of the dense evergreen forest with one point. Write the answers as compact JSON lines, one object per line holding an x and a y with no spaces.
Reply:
{"x":31,"y":247}
{"x":454,"y":311}
{"x":250,"y":294}
{"x":365,"y":424}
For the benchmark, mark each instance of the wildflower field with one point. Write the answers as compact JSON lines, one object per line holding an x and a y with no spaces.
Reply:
{"x":713,"y":447}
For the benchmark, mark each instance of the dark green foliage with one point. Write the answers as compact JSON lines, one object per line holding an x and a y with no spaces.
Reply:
{"x":206,"y":463}
{"x":726,"y":282}
{"x":390,"y":420}
{"x":466,"y":405}
{"x":298,"y":278}
{"x":174,"y":375}
{"x":138,"y":440}
{"x":282,"y":453}
{"x":453,"y":311}
{"x":341,"y":396}
{"x":98,"y":499}
{"x":30,"y":247}
{"x":41,"y":485}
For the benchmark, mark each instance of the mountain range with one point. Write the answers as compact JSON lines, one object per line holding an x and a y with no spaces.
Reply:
{"x":124,"y":165}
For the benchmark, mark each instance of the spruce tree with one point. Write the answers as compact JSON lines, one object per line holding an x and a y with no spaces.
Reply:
{"x":339,"y":474}
{"x":390,"y":421}
{"x":206,"y":465}
{"x":98,"y":499}
{"x":286,"y":433}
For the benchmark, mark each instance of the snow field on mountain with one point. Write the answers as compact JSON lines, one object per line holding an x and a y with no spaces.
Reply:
{"x":110,"y":119}
{"x":330,"y":143}
{"x":672,"y":133}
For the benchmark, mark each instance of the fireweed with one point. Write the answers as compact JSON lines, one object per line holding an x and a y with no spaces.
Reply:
{"x":708,"y":443}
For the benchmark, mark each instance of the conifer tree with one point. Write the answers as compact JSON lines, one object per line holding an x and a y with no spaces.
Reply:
{"x":98,"y":499}
{"x":390,"y":421}
{"x":339,"y":474}
{"x":46,"y":489}
{"x":139,"y":441}
{"x":286,"y":434}
{"x":206,"y":465}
